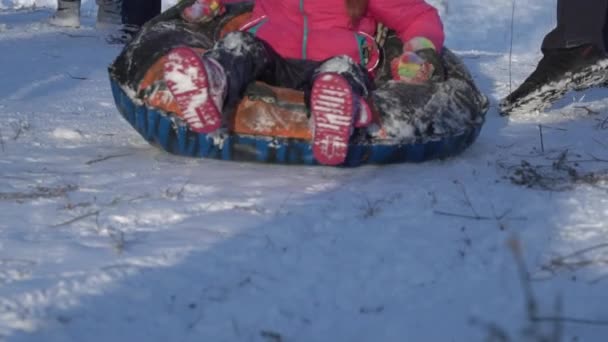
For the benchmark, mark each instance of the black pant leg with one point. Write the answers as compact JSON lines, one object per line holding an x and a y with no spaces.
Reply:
{"x":578,"y":22}
{"x":138,"y":12}
{"x":355,"y":74}
{"x":246,"y":59}
{"x":605,"y":32}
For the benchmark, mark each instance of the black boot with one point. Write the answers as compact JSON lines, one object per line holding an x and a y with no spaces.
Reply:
{"x":135,"y":13}
{"x":559,"y":71}
{"x":123,"y":35}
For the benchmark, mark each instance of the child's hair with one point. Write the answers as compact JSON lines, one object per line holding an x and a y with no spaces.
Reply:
{"x":356,"y":9}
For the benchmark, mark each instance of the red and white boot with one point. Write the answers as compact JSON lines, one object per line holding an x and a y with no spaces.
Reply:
{"x":335,"y":111}
{"x":198,"y":85}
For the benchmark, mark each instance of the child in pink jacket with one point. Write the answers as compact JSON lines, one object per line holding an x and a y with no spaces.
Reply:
{"x":323,"y":47}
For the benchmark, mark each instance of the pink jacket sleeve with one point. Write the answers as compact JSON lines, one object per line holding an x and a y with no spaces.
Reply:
{"x":409,"y":18}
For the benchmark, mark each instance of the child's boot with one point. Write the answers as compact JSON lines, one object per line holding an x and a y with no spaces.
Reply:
{"x":198,"y":85}
{"x":335,"y":110}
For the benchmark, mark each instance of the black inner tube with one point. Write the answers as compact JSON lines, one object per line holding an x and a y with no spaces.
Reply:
{"x":409,"y":112}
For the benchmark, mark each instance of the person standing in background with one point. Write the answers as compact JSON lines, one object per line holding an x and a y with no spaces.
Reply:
{"x":109,"y":13}
{"x":574,"y":57}
{"x":127,"y":15}
{"x":67,"y":14}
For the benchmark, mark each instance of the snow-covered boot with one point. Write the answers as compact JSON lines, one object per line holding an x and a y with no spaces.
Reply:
{"x":67,"y":15}
{"x":198,"y":85}
{"x":335,"y":111}
{"x":123,"y":35}
{"x":109,"y":13}
{"x":134,"y":14}
{"x":559,"y":71}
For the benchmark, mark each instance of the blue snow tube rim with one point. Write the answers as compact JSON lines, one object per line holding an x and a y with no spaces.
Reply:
{"x":173,"y":135}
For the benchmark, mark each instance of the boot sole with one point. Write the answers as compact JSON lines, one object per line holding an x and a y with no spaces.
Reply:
{"x":589,"y":77}
{"x":188,"y":81}
{"x":332,"y":107}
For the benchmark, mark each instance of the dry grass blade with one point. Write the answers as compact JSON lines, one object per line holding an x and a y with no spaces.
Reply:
{"x":588,"y":110}
{"x":1,"y":141}
{"x":100,"y":159}
{"x":531,"y":303}
{"x":561,"y":175}
{"x":603,"y":124}
{"x":72,"y":35}
{"x":39,"y":192}
{"x":571,"y":320}
{"x":542,"y":142}
{"x":471,"y":217}
{"x":76,"y":219}
{"x":574,"y":261}
{"x":271,"y":336}
{"x":80,"y":78}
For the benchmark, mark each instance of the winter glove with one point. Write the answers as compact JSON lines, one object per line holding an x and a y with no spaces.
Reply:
{"x":419,"y":63}
{"x":202,"y":11}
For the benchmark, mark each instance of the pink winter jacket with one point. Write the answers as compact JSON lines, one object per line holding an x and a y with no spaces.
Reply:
{"x":321,"y":29}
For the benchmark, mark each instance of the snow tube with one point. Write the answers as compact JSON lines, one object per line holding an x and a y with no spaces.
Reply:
{"x":414,"y":123}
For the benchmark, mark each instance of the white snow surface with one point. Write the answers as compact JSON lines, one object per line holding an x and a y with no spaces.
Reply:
{"x":106,"y":238}
{"x":87,"y":5}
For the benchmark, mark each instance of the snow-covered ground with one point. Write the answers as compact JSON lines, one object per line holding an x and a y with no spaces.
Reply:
{"x":105,"y":238}
{"x":88,"y":6}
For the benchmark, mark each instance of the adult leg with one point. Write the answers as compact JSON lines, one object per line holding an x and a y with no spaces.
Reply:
{"x":606,"y":30}
{"x":574,"y":58}
{"x":579,"y":22}
{"x":109,"y":13}
{"x":137,"y":12}
{"x":336,"y":101}
{"x":134,"y":14}
{"x":67,"y":15}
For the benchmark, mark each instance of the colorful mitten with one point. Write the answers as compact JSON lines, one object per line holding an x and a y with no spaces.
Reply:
{"x":418,"y":63}
{"x":202,"y":11}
